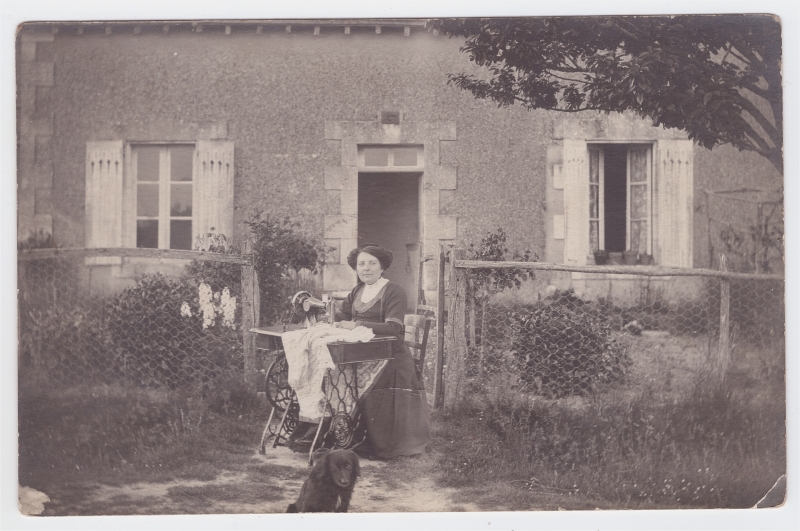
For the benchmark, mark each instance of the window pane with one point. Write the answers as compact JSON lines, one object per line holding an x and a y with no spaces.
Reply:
{"x":376,"y":156}
{"x":594,"y":201}
{"x":594,"y":235}
{"x":147,"y":200}
{"x":180,"y":200}
{"x":639,"y":201}
{"x":147,"y":233}
{"x":147,"y":163}
{"x":594,"y":165}
{"x":181,"y":162}
{"x":639,"y":236}
{"x":180,"y":234}
{"x":405,"y":156}
{"x":638,"y":165}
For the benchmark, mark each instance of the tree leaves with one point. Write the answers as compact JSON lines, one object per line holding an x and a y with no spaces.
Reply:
{"x":716,"y":77}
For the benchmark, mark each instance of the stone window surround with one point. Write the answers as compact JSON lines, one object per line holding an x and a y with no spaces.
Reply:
{"x":341,"y":229}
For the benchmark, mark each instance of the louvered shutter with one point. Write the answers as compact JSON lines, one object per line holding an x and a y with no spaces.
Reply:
{"x":104,"y":189}
{"x":576,"y":202}
{"x":674,"y":197}
{"x":212,"y":197}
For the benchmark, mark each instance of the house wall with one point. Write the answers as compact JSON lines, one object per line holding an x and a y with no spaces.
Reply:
{"x":271,"y":94}
{"x":283,"y":99}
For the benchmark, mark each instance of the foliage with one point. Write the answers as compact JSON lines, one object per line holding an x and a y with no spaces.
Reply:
{"x":63,"y":342}
{"x":561,"y":352}
{"x":669,"y":438}
{"x":279,"y":250}
{"x":716,"y":77}
{"x":493,"y":248}
{"x":37,"y":240}
{"x":218,"y":275}
{"x":765,"y":236}
{"x":159,"y":333}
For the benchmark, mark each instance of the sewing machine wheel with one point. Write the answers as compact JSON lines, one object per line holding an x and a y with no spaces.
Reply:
{"x":341,"y":430}
{"x":278,"y":391}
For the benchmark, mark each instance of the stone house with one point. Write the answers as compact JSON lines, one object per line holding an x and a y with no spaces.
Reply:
{"x":148,"y":134}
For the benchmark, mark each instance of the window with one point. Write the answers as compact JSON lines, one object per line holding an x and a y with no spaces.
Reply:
{"x":626,"y":196}
{"x":388,"y":157}
{"x":164,"y":189}
{"x":620,"y":200}
{"x":157,"y":195}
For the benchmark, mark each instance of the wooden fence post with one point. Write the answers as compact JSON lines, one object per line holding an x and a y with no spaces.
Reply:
{"x":250,"y":318}
{"x":724,"y":352}
{"x":456,"y":341}
{"x":440,"y":325}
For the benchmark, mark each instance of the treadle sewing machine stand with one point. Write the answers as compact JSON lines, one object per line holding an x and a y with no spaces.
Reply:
{"x":282,"y":397}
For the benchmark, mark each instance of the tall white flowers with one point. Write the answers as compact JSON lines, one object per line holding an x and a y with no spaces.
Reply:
{"x":213,"y":304}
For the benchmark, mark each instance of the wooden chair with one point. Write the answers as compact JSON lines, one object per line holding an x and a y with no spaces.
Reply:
{"x":416,"y":338}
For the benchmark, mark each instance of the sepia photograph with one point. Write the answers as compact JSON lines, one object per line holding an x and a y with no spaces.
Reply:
{"x":400,"y":264}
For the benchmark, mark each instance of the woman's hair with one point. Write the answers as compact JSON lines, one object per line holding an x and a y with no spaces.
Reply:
{"x":384,"y":256}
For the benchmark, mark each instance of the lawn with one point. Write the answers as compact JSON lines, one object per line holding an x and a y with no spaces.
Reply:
{"x":663,"y":439}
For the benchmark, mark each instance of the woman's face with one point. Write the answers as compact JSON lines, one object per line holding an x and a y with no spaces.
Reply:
{"x":368,"y":268}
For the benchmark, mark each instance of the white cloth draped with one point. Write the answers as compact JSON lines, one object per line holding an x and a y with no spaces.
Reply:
{"x":308,"y":358}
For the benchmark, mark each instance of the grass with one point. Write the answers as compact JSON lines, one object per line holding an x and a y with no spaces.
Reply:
{"x":654,"y":443}
{"x":665,"y":439}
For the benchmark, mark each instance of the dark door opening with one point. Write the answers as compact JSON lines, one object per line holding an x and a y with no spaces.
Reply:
{"x":616,"y":195}
{"x":388,"y":215}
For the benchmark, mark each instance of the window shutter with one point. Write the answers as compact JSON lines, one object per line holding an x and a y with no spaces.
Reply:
{"x":212,"y":197}
{"x":576,"y":202}
{"x":674,"y":200}
{"x":104,"y":186}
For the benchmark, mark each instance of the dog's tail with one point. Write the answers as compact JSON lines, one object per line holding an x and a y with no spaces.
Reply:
{"x":292,"y":508}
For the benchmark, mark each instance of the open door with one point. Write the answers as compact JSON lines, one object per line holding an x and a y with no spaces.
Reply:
{"x":389,"y":216}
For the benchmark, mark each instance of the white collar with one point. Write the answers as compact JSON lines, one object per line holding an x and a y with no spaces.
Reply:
{"x":370,"y":290}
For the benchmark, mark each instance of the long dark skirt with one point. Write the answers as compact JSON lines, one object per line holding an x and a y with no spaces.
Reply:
{"x":395,"y":411}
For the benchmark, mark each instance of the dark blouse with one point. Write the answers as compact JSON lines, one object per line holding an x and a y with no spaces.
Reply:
{"x":384,"y":314}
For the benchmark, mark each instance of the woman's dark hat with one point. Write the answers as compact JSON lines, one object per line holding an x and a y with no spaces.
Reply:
{"x":384,"y":256}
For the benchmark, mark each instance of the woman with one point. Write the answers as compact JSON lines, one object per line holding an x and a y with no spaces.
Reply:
{"x":395,"y":411}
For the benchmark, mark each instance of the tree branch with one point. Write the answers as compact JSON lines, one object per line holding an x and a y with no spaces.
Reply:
{"x":759,"y":117}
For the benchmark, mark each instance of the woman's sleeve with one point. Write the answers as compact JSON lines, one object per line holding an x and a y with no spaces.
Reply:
{"x":394,"y":305}
{"x":345,"y":313}
{"x":385,"y":329}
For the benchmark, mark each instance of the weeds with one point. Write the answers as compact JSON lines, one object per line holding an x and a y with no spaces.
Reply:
{"x":709,"y":448}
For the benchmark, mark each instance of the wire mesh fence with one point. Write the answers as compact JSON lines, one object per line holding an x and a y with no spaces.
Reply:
{"x":747,"y":226}
{"x":559,"y":331}
{"x":133,"y":317}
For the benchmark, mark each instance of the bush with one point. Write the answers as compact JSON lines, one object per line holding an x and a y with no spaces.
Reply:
{"x":561,"y":352}
{"x":163,"y":336}
{"x":64,"y":343}
{"x":278,"y":250}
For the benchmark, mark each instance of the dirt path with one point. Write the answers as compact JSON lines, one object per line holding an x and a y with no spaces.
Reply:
{"x":267,"y":485}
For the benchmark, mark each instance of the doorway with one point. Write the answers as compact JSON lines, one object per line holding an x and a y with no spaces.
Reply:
{"x":389,"y":216}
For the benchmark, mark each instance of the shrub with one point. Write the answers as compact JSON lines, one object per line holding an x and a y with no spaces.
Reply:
{"x":163,"y":335}
{"x":278,"y":250}
{"x":218,"y":275}
{"x":561,"y":352}
{"x":64,"y":343}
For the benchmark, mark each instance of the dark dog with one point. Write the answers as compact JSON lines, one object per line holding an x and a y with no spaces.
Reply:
{"x":330,"y":484}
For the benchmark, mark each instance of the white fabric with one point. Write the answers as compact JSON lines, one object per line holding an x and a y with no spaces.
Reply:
{"x":308,"y":358}
{"x":370,"y":290}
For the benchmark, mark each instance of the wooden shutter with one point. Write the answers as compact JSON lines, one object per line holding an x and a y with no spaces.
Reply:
{"x":104,"y":189}
{"x":674,"y":197}
{"x":576,"y":202}
{"x":212,"y":197}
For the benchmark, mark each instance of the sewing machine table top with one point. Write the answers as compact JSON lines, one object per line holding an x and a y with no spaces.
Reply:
{"x":377,"y":348}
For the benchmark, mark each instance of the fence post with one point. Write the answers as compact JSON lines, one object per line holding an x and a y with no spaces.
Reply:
{"x":250,"y":318}
{"x":440,"y":324}
{"x":724,"y":353}
{"x":455,"y":333}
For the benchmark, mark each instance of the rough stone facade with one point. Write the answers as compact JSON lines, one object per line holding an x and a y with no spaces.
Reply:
{"x":296,"y":101}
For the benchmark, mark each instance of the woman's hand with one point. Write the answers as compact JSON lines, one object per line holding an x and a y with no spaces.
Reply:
{"x":347,"y":325}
